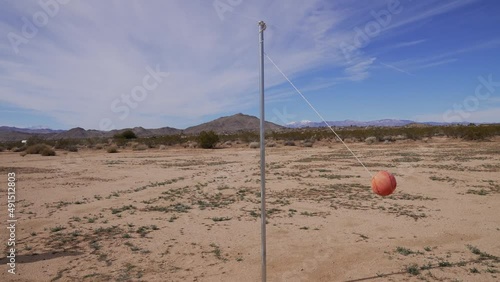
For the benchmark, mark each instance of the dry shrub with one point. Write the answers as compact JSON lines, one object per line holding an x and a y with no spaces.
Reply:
{"x":48,"y":152}
{"x":36,"y":149}
{"x":41,"y":149}
{"x":254,"y":145}
{"x":140,"y":147}
{"x":190,"y":144}
{"x":112,"y":149}
{"x":370,"y":140}
{"x":72,"y":148}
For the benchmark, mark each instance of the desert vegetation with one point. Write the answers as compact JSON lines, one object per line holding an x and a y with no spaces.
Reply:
{"x":41,"y":149}
{"x":127,"y":134}
{"x":184,"y":208}
{"x":208,"y":140}
{"x":290,"y":137}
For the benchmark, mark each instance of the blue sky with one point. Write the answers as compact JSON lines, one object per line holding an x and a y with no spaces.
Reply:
{"x":116,"y":64}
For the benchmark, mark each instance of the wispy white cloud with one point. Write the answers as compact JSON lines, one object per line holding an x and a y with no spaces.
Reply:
{"x":408,"y":44}
{"x":443,"y":58}
{"x":396,"y":68}
{"x":435,"y":64}
{"x":288,"y":93}
{"x":355,"y":42}
{"x":473,"y":47}
{"x":359,"y":71}
{"x":92,"y":52}
{"x":429,"y":9}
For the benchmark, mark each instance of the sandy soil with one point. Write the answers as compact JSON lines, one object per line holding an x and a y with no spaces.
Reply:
{"x":193,"y":215}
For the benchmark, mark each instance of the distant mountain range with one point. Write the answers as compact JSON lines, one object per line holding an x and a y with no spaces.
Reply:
{"x":232,"y":124}
{"x":224,"y":125}
{"x":347,"y":123}
{"x":31,"y":130}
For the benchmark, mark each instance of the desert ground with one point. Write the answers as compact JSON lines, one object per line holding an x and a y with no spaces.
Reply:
{"x":184,"y":214}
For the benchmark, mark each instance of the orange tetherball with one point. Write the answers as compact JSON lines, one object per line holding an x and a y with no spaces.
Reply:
{"x":383,"y":183}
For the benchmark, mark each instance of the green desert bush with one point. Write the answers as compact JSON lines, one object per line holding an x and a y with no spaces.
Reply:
{"x":127,"y":134}
{"x":246,"y":136}
{"x":8,"y":145}
{"x":207,"y":140}
{"x":67,"y":144}
{"x":167,"y":140}
{"x":473,"y":132}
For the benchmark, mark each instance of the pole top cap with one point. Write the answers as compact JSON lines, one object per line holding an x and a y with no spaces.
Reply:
{"x":262,"y":25}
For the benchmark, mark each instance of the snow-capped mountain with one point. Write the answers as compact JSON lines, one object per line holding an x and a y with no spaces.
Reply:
{"x":299,"y":124}
{"x":346,"y":123}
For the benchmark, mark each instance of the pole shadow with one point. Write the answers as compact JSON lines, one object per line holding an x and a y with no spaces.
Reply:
{"x":40,"y":257}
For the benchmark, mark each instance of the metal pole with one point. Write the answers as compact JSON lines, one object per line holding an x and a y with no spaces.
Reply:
{"x":262,"y":27}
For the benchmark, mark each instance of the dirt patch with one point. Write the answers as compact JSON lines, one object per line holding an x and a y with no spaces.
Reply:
{"x":193,"y":214}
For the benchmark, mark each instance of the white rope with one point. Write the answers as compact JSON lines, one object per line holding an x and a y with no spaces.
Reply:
{"x":321,"y":117}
